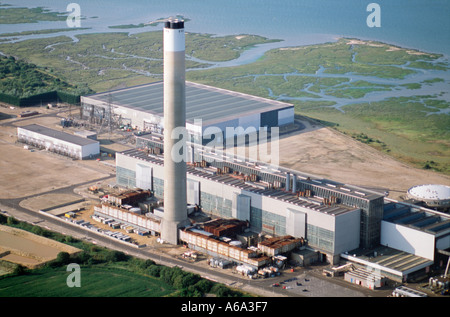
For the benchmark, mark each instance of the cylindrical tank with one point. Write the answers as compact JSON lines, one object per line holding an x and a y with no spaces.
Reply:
{"x":288,"y":182}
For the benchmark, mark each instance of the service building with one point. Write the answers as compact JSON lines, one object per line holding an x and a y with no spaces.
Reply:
{"x":206,"y":107}
{"x":59,"y":142}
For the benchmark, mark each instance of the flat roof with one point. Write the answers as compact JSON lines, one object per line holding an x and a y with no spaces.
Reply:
{"x":416,"y":217}
{"x":260,"y":168}
{"x":387,"y":259}
{"x":58,"y":134}
{"x":229,"y":179}
{"x":210,"y":104}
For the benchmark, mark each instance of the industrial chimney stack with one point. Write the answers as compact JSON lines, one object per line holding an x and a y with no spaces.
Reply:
{"x":175,"y":201}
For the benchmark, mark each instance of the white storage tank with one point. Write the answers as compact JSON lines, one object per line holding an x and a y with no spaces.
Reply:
{"x":434,"y":195}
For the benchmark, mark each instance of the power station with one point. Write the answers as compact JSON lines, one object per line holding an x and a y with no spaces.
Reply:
{"x":330,"y":220}
{"x":237,"y":209}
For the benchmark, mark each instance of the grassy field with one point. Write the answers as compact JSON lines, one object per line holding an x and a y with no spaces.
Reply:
{"x":111,"y":60}
{"x":103,"y":273}
{"x":396,"y":127}
{"x":410,"y":128}
{"x":99,"y":281}
{"x":35,"y":32}
{"x":29,"y":15}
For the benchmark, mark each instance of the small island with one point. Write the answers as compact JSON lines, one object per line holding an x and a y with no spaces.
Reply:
{"x":28,"y":15}
{"x":144,"y":24}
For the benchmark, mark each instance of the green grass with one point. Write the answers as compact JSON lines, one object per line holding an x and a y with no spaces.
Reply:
{"x":103,"y":272}
{"x":29,"y":15}
{"x":109,"y":60}
{"x":399,"y":126}
{"x":21,"y":79}
{"x":396,"y":126}
{"x":220,"y":48}
{"x":47,"y":31}
{"x":98,"y":281}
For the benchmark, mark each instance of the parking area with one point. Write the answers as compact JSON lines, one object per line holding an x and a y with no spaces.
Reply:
{"x":312,"y":286}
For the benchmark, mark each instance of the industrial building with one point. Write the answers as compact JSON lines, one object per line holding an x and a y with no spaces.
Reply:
{"x":413,"y":238}
{"x":59,"y":142}
{"x":432,"y":195}
{"x":279,"y":212}
{"x":338,"y":221}
{"x":312,"y":209}
{"x":206,"y":107}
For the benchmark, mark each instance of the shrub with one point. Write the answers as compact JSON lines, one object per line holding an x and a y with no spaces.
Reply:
{"x":154,"y":270}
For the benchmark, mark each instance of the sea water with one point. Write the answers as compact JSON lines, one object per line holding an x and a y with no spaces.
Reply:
{"x":416,"y":24}
{"x":419,"y":24}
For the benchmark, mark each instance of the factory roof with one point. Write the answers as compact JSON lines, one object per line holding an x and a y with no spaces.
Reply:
{"x":70,"y":138}
{"x":387,"y":259}
{"x":280,"y":194}
{"x":210,"y":104}
{"x":415,"y":217}
{"x":155,"y":140}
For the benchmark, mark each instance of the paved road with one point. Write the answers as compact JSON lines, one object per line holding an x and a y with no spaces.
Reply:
{"x":312,"y":285}
{"x":159,"y":257}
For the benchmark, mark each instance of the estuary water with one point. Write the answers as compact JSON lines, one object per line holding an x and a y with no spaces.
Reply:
{"x":416,"y":24}
{"x":419,"y":24}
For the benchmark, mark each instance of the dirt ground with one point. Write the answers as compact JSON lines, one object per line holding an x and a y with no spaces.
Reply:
{"x":315,"y":150}
{"x":325,"y":153}
{"x":26,"y":172}
{"x":50,"y":201}
{"x":29,"y":249}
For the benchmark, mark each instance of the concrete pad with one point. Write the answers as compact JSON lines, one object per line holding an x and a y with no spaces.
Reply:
{"x":26,"y":173}
{"x":48,"y":201}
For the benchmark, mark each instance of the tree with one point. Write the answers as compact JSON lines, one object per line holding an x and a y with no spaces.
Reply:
{"x":185,"y":279}
{"x":37,"y":230}
{"x":11,"y":221}
{"x":115,"y":256}
{"x":19,"y":270}
{"x":83,"y":258}
{"x":63,"y":258}
{"x":69,"y":239}
{"x":204,"y":285}
{"x":154,"y":270}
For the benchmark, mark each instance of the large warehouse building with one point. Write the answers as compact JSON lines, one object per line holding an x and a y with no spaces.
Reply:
{"x":334,"y":217}
{"x":337,"y":220}
{"x":59,"y":142}
{"x":206,"y":106}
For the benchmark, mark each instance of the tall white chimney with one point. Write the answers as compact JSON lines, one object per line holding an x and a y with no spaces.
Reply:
{"x":175,"y":201}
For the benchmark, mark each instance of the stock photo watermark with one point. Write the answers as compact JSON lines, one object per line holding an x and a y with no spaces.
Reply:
{"x":74,"y":278}
{"x":249,"y":143}
{"x":74,"y":18}
{"x":374,"y":18}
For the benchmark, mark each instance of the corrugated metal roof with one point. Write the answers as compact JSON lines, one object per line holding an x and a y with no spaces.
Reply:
{"x":210,"y":104}
{"x":227,"y":179}
{"x":58,"y":134}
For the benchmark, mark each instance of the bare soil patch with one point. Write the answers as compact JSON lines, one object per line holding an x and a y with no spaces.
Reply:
{"x":28,"y":249}
{"x":332,"y":155}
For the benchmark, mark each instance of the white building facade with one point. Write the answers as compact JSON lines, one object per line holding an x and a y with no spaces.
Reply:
{"x":58,"y":141}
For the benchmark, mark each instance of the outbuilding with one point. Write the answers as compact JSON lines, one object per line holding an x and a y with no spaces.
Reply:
{"x":59,"y":142}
